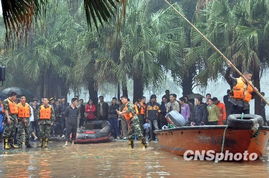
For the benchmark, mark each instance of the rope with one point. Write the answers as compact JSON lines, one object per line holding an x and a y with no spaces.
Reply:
{"x":223,"y":138}
{"x":218,"y":51}
{"x":223,"y":141}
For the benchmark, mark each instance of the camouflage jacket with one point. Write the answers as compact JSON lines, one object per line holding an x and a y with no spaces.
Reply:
{"x":46,"y":121}
{"x":130,"y":108}
{"x":6,"y":107}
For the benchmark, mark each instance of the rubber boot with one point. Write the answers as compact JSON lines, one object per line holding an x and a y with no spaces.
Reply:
{"x":28,"y":145}
{"x":6,"y":144}
{"x":144,"y":143}
{"x":46,"y":143}
{"x":13,"y":145}
{"x":41,"y":142}
{"x":131,"y":143}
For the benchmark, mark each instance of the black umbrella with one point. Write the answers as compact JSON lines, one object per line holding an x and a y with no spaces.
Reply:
{"x":19,"y":91}
{"x":195,"y":95}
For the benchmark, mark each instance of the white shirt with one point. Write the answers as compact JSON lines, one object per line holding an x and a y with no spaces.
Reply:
{"x":32,"y":118}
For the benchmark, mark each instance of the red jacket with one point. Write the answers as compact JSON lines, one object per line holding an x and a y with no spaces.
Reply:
{"x":90,"y":111}
{"x":223,"y":114}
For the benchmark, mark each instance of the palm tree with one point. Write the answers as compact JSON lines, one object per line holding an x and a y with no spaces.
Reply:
{"x":139,"y":48}
{"x":177,"y":54}
{"x":132,"y":52}
{"x":18,"y":15}
{"x":240,"y":29}
{"x":46,"y":61}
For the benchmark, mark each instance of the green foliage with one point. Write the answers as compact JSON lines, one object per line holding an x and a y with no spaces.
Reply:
{"x":238,"y":29}
{"x":150,"y":42}
{"x":18,"y":14}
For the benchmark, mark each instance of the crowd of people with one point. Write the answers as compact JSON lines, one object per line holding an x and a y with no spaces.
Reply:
{"x":39,"y":120}
{"x":42,"y":119}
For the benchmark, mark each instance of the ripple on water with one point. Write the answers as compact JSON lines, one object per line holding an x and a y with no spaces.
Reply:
{"x":116,"y":159}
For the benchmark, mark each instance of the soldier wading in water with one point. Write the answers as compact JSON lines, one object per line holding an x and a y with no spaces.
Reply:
{"x":134,"y":130}
{"x":45,"y":121}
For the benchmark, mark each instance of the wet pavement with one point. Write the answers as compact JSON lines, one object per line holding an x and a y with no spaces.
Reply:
{"x":116,"y":159}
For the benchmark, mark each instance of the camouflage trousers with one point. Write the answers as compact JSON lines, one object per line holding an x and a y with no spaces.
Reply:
{"x":44,"y":128}
{"x":23,"y":134}
{"x":10,"y":129}
{"x":134,"y":129}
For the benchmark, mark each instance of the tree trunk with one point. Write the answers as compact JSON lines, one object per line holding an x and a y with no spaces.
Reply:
{"x":45,"y":84}
{"x":187,"y":82}
{"x":41,"y":87}
{"x":124,"y":88}
{"x":138,"y":87}
{"x":118,"y":91}
{"x":256,"y":82}
{"x":93,"y":90}
{"x":64,"y":89}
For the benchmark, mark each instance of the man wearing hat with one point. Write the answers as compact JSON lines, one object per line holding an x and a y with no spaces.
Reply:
{"x":153,"y":113}
{"x":11,"y":121}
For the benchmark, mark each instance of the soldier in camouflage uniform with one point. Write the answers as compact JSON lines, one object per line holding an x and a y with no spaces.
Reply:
{"x":134,"y":129}
{"x":11,"y":121}
{"x":45,"y":121}
{"x":24,"y":113}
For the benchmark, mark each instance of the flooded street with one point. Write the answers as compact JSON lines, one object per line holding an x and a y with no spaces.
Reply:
{"x":116,"y":159}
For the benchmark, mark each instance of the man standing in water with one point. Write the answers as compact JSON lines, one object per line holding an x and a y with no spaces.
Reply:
{"x":134,"y":131}
{"x":153,"y":113}
{"x":24,"y":113}
{"x":140,"y":108}
{"x":45,"y":121}
{"x":11,"y":111}
{"x":242,"y":92}
{"x":71,"y":114}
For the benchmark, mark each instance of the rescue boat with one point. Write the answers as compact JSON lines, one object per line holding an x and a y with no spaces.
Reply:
{"x":241,"y":134}
{"x":96,"y":131}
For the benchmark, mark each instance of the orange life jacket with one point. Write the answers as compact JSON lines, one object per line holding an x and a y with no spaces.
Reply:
{"x":24,"y":111}
{"x":13,"y":108}
{"x":127,"y":116}
{"x":242,"y":90}
{"x":140,"y":109}
{"x":45,"y":113}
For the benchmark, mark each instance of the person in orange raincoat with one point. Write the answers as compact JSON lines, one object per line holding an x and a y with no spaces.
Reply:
{"x":222,"y":108}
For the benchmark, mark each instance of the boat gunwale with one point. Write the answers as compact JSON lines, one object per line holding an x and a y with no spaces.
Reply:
{"x":205,"y":127}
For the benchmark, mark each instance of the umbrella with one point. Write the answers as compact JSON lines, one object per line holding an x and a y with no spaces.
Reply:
{"x":19,"y":91}
{"x":2,"y":95}
{"x":195,"y":95}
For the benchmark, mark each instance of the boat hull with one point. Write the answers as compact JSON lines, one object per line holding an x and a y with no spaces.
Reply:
{"x":199,"y":138}
{"x":96,"y":131}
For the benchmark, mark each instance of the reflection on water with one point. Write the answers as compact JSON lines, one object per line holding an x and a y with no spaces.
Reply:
{"x":116,"y":159}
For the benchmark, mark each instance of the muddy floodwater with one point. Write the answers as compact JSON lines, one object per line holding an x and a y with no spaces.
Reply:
{"x":116,"y":159}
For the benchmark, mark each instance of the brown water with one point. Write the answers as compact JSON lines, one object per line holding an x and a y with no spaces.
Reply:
{"x":116,"y":159}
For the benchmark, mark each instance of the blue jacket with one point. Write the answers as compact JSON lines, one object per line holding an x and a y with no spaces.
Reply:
{"x":2,"y":117}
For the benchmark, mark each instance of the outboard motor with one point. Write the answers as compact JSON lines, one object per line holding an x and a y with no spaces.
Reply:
{"x":245,"y":121}
{"x":175,"y":118}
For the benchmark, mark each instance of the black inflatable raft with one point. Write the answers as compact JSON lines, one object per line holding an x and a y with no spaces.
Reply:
{"x":94,"y":132}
